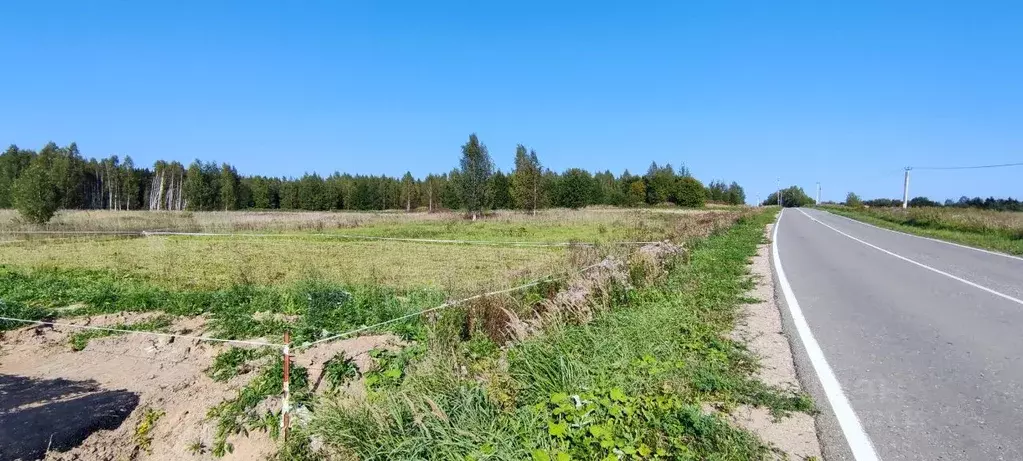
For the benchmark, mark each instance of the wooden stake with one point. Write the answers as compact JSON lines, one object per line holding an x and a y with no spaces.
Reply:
{"x":286,"y":406}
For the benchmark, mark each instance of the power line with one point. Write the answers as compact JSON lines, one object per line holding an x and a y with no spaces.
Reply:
{"x":965,"y":167}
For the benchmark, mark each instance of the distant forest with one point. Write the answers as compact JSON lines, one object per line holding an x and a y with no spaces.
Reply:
{"x":58,"y":177}
{"x":990,"y":203}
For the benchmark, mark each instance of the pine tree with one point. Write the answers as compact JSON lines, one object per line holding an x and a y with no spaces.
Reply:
{"x":408,"y":190}
{"x":476,"y":170}
{"x":129,"y":182}
{"x":500,"y":191}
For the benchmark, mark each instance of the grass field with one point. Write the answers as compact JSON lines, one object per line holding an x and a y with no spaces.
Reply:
{"x":558,"y":225}
{"x":220,"y":262}
{"x":993,"y":230}
{"x":642,"y":352}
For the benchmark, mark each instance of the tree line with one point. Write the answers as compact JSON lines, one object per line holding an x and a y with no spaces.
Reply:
{"x":39,"y":183}
{"x":791,"y":197}
{"x":990,"y":203}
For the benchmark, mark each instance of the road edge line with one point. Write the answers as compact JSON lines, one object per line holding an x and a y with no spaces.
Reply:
{"x":857,"y":438}
{"x":960,"y":245}
{"x":937,"y":271}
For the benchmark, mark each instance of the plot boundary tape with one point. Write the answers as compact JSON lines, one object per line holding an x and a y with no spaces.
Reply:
{"x":436,"y":308}
{"x":145,"y":233}
{"x":138,"y":332}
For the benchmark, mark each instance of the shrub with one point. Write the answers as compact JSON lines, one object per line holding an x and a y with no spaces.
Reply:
{"x":853,"y":200}
{"x":35,"y":196}
{"x":690,"y":193}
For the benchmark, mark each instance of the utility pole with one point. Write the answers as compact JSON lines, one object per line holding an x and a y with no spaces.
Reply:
{"x":779,"y":192}
{"x":818,"y":192}
{"x":905,"y":189}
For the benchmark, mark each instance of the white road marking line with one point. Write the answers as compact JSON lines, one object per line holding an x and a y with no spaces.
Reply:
{"x":926,"y":238}
{"x":937,"y":271}
{"x":859,"y":442}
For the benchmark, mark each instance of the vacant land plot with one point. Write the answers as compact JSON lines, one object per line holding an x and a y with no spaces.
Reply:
{"x":640,"y":333}
{"x":994,"y":230}
{"x":559,"y":225}
{"x":220,"y":262}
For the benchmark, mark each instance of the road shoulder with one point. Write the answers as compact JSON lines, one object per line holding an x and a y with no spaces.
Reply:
{"x":760,"y":326}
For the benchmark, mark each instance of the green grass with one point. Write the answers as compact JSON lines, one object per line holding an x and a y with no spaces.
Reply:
{"x":310,"y":310}
{"x":236,"y":415}
{"x":221,"y":262}
{"x":631,"y":383}
{"x":993,"y":230}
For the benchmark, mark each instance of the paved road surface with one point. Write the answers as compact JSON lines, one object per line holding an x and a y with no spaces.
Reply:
{"x":930,"y":363}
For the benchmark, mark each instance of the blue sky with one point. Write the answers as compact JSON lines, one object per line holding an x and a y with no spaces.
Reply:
{"x":846,"y":93}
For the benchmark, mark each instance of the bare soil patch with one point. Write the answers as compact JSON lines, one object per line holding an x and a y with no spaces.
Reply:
{"x":760,"y":328}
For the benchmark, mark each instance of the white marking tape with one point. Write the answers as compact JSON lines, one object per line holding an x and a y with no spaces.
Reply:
{"x":937,"y":271}
{"x":926,"y":238}
{"x":855,"y":436}
{"x":147,"y":333}
{"x":442,"y":306}
{"x":394,"y":239}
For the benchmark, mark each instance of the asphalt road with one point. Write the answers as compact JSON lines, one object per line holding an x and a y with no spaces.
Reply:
{"x":929,"y":362}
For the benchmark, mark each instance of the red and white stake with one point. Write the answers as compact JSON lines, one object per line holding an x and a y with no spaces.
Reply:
{"x":286,"y":406}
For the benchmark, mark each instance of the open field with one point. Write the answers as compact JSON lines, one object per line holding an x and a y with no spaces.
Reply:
{"x":557,"y":225}
{"x":993,"y":230}
{"x":220,"y":262}
{"x":492,"y":371}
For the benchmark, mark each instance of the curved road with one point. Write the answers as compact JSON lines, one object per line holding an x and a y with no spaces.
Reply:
{"x":912,"y":346}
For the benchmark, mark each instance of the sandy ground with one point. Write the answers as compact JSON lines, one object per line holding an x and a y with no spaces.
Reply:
{"x":166,"y":374}
{"x":761,"y":328}
{"x":116,"y":379}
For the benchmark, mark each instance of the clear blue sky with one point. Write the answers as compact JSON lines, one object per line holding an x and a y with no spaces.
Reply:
{"x":846,"y":93}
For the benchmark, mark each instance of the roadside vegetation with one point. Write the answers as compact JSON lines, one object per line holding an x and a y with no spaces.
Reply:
{"x":638,"y":366}
{"x":993,"y":230}
{"x":650,"y":377}
{"x":616,"y":349}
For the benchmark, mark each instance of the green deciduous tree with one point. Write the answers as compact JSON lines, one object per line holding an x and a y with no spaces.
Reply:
{"x":852,"y":200}
{"x":408,"y":190}
{"x":690,"y":192}
{"x":660,"y":183}
{"x":35,"y":194}
{"x":527,"y":185}
{"x":735,"y":195}
{"x":475,"y":174}
{"x":792,"y":197}
{"x":13,"y":162}
{"x":636,"y":194}
{"x":230,"y":184}
{"x":202,"y":186}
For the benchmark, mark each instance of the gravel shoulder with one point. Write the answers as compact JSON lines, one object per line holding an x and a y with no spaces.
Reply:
{"x":760,"y":327}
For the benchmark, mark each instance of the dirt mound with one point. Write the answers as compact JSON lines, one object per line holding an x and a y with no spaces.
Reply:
{"x":355,"y":349}
{"x":164,"y":374}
